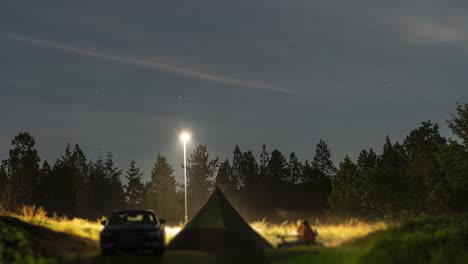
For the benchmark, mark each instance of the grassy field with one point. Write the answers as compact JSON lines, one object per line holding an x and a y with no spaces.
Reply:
{"x":441,"y":239}
{"x":75,"y":226}
{"x":329,"y":234}
{"x":23,"y":243}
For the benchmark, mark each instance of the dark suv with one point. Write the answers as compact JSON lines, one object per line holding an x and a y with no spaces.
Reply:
{"x":133,"y":230}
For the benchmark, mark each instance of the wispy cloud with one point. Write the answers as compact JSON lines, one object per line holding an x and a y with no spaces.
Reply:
{"x":154,"y":65}
{"x":438,"y":33}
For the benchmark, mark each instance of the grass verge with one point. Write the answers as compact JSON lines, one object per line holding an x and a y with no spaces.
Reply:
{"x":428,"y":240}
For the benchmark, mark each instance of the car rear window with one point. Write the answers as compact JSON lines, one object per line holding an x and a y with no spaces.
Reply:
{"x":132,"y":218}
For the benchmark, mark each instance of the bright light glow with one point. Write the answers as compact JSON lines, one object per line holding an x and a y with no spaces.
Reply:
{"x":185,"y":136}
{"x":171,"y":232}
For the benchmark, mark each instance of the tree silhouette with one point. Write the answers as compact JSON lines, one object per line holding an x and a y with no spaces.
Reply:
{"x":367,"y":168}
{"x":23,"y":168}
{"x":249,"y":169}
{"x":7,"y":203}
{"x":391,"y":188}
{"x":224,"y":177}
{"x":294,"y":169}
{"x":115,"y":189}
{"x":344,"y":197}
{"x":453,"y":159}
{"x":459,"y":123}
{"x":427,"y":174}
{"x":162,"y":189}
{"x":322,"y":160}
{"x":135,"y":187}
{"x":277,"y":168}
{"x":200,"y":176}
{"x":421,"y":146}
{"x":264,"y":160}
{"x":99,"y":184}
{"x":237,"y":175}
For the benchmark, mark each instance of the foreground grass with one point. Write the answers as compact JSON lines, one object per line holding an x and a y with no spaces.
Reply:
{"x":23,"y":243}
{"x":14,"y":248}
{"x":441,"y":239}
{"x":425,"y":240}
{"x":428,"y":240}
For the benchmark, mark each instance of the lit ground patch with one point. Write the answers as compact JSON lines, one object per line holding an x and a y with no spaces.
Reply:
{"x":330,"y":235}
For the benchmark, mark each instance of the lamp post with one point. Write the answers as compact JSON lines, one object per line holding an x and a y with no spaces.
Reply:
{"x":185,"y":137}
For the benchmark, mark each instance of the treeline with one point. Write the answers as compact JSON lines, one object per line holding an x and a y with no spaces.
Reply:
{"x":77,"y":186}
{"x":425,"y":174}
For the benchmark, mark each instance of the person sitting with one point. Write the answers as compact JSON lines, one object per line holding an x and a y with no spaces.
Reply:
{"x":305,"y":236}
{"x":305,"y":233}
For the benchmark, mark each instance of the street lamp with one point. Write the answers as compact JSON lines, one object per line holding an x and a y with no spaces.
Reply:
{"x":185,"y":137}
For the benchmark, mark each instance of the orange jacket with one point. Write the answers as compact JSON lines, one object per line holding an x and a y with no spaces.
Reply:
{"x":306,"y":233}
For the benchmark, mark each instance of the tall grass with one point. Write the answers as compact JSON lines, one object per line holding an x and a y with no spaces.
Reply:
{"x":74,"y":226}
{"x":328,"y":234}
{"x":428,"y":240}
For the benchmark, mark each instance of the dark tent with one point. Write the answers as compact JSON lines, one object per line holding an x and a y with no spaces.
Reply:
{"x":218,"y":226}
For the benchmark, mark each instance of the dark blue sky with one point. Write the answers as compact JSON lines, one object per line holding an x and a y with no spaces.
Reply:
{"x":127,"y":76}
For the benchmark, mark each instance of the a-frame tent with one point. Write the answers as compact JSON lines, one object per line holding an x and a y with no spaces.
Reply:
{"x":217,"y":227}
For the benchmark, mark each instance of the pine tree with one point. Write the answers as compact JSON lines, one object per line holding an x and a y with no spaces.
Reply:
{"x":322,"y":172}
{"x":200,"y":177}
{"x":224,"y":177}
{"x":79,"y":172}
{"x":322,"y":160}
{"x":59,"y":187}
{"x":366,"y":160}
{"x":45,"y":171}
{"x":244,"y":170}
{"x":421,"y":146}
{"x":277,"y":168}
{"x":315,"y":188}
{"x":6,"y":194}
{"x":264,"y":160}
{"x":115,"y":189}
{"x":310,"y":175}
{"x":453,"y":159}
{"x":237,"y":175}
{"x":295,"y":169}
{"x":344,"y":197}
{"x":389,"y":192}
{"x":23,"y":168}
{"x":367,"y":168}
{"x":66,"y":182}
{"x":135,"y":187}
{"x":162,"y":190}
{"x":249,"y":170}
{"x":45,"y":176}
{"x":98,"y":185}
{"x":459,"y":123}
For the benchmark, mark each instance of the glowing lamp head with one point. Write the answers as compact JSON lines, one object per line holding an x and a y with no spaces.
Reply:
{"x":185,"y":136}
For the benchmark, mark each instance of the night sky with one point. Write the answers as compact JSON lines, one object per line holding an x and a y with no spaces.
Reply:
{"x":126,"y":76}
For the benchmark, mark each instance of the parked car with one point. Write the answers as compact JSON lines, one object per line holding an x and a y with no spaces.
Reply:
{"x":133,"y":230}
